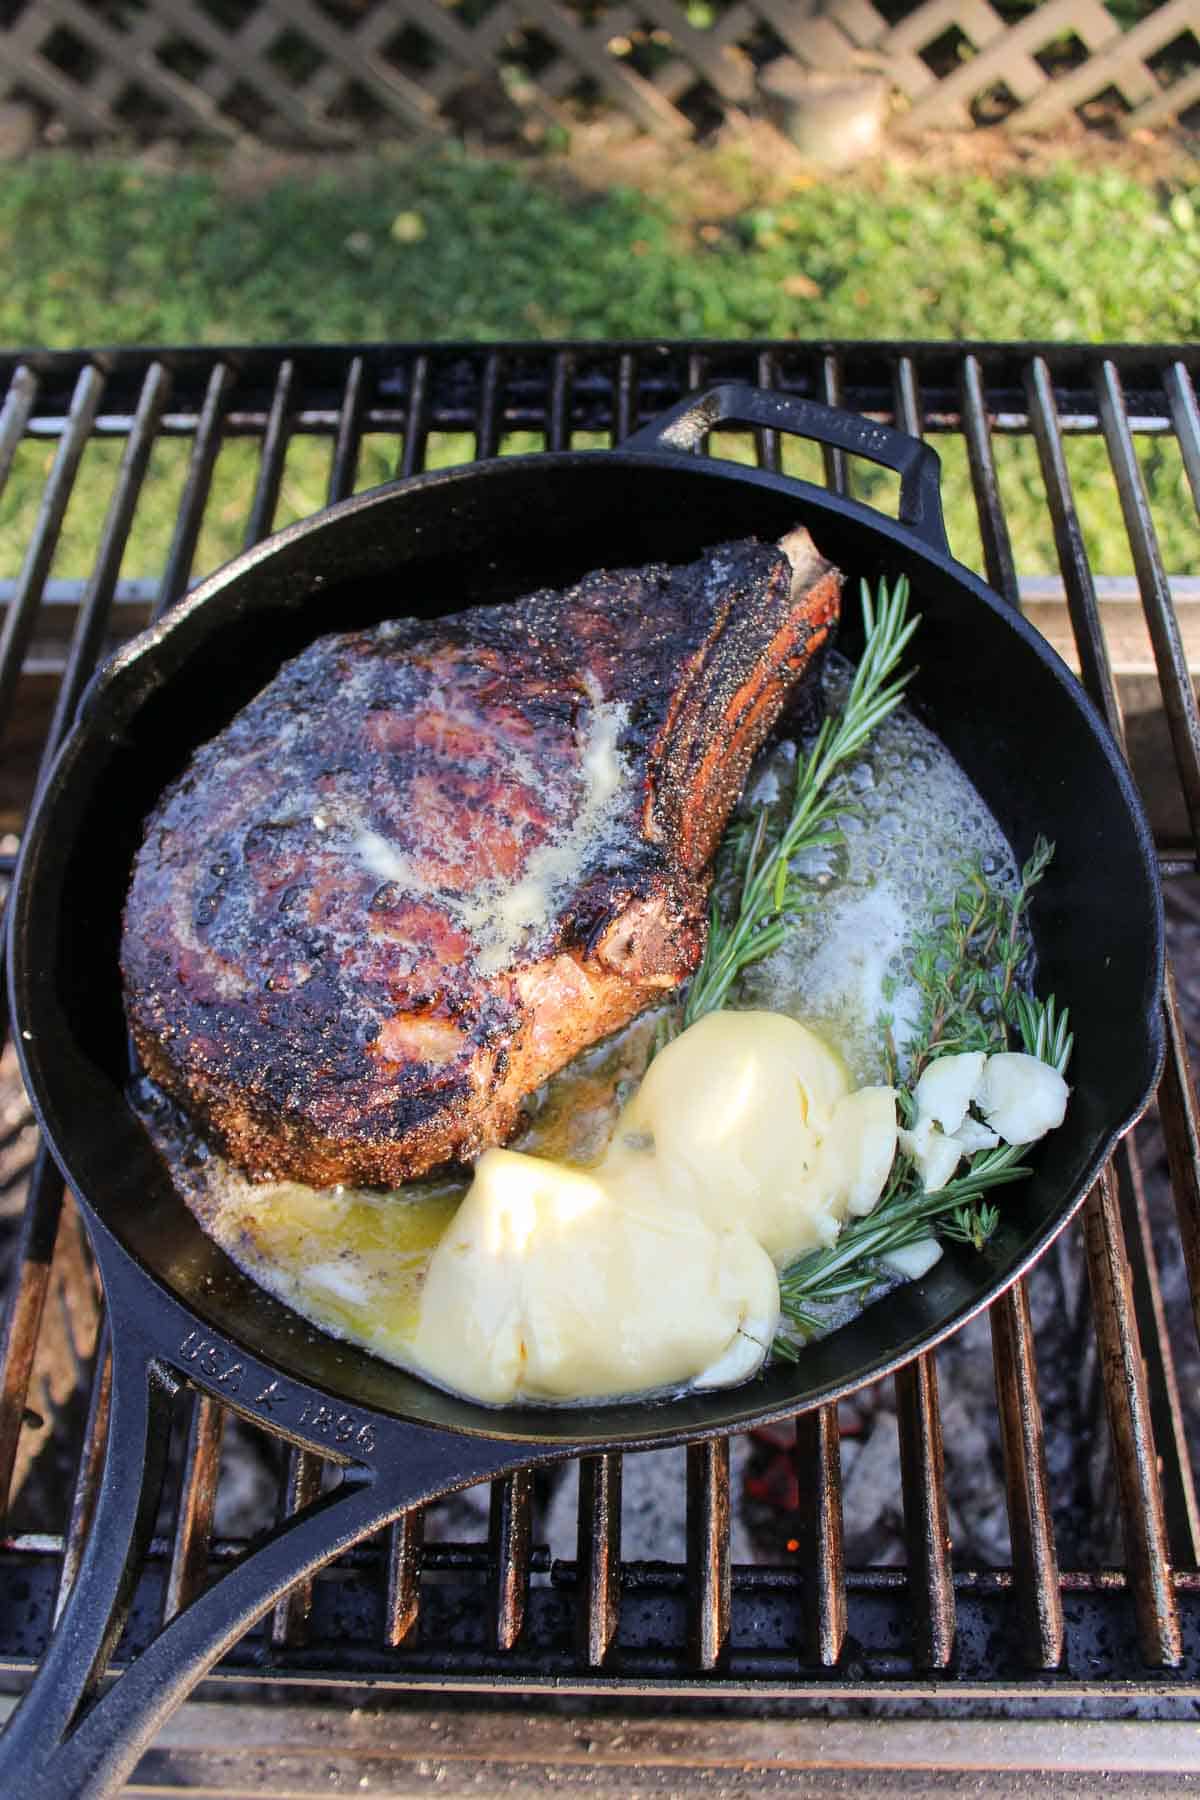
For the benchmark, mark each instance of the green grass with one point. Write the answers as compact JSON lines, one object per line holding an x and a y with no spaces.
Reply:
{"x":445,"y":246}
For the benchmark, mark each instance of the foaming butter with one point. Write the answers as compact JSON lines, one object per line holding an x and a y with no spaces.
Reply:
{"x":911,"y":819}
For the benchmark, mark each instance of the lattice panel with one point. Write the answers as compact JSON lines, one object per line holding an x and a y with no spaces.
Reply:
{"x":333,"y":72}
{"x":995,"y":56}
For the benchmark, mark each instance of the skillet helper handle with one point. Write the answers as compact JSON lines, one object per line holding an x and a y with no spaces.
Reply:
{"x":68,"y":1740}
{"x":139,"y":1432}
{"x":686,"y":425}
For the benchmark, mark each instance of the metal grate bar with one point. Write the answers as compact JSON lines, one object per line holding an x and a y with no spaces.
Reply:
{"x":993,"y":526}
{"x":510,"y":1538}
{"x":274,"y":451}
{"x":1185,"y":413}
{"x":1179,"y":698}
{"x":14,"y":416}
{"x":922,"y":1469}
{"x":349,"y":434}
{"x":599,"y":1558}
{"x":766,"y":441}
{"x":558,"y":407}
{"x":832,"y":393}
{"x":1080,"y":588}
{"x":490,"y":418}
{"x":90,"y":1470}
{"x":1142,"y":1517}
{"x":195,"y":493}
{"x":1035,"y":1560}
{"x":289,"y":1622}
{"x":22,"y":612}
{"x":33,"y":1254}
{"x":197,"y":1498}
{"x":406,"y":1535}
{"x":709,"y":1566}
{"x":819,"y":1529}
{"x":402,"y":1599}
{"x":95,"y":610}
{"x":626,"y":412}
{"x":907,"y":397}
{"x":416,"y":429}
{"x":697,"y":375}
{"x":927,"y":1529}
{"x":302,"y":1485}
{"x":1166,"y":1413}
{"x":1180,"y":1117}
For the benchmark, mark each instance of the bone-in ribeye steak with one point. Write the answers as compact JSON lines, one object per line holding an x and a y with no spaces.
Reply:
{"x":433,"y":860}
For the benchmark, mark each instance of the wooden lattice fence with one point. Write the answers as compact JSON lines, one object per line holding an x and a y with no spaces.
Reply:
{"x":333,"y":72}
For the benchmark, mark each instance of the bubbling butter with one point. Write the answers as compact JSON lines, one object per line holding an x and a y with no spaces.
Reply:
{"x":913,"y":816}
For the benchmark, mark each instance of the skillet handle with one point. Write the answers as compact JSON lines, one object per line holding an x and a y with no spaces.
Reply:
{"x":686,"y":425}
{"x":139,"y":1432}
{"x":65,"y":1743}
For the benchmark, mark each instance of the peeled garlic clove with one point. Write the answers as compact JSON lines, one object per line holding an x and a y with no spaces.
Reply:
{"x":914,"y":1260}
{"x":745,"y":1356}
{"x":1021,"y":1097}
{"x":915,"y":1143}
{"x":973,"y":1136}
{"x":861,"y":1147}
{"x":936,"y":1156}
{"x":947,"y":1088}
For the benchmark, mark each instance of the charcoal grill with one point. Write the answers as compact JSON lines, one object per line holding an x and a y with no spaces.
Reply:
{"x":495,"y":1622}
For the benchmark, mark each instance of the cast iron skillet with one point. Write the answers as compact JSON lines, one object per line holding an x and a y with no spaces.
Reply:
{"x":181,"y":1313}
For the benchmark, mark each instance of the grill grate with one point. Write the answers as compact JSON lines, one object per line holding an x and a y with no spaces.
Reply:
{"x":489,"y":1614}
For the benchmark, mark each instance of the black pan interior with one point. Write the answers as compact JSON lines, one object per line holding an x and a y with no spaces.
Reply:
{"x":1008,"y":710}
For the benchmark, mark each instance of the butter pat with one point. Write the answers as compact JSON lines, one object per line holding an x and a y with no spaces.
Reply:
{"x":657,"y":1267}
{"x":752,"y":1121}
{"x":555,"y":1283}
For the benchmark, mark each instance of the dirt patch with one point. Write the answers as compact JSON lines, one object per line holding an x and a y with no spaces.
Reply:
{"x":748,"y":163}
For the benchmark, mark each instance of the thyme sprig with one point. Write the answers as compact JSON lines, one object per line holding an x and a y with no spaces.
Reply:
{"x":970,"y":968}
{"x":756,"y":862}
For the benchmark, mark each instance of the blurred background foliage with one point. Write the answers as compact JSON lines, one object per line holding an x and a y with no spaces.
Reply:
{"x":450,"y":245}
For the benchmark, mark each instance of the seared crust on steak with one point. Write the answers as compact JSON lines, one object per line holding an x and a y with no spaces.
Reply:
{"x":432,"y":861}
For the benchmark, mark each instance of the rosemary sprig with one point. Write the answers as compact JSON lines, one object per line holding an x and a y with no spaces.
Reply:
{"x":1045,"y":1029}
{"x":904,"y":1216}
{"x":756,"y":862}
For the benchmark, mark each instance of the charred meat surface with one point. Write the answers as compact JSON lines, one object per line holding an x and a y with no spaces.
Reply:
{"x":432,"y":861}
